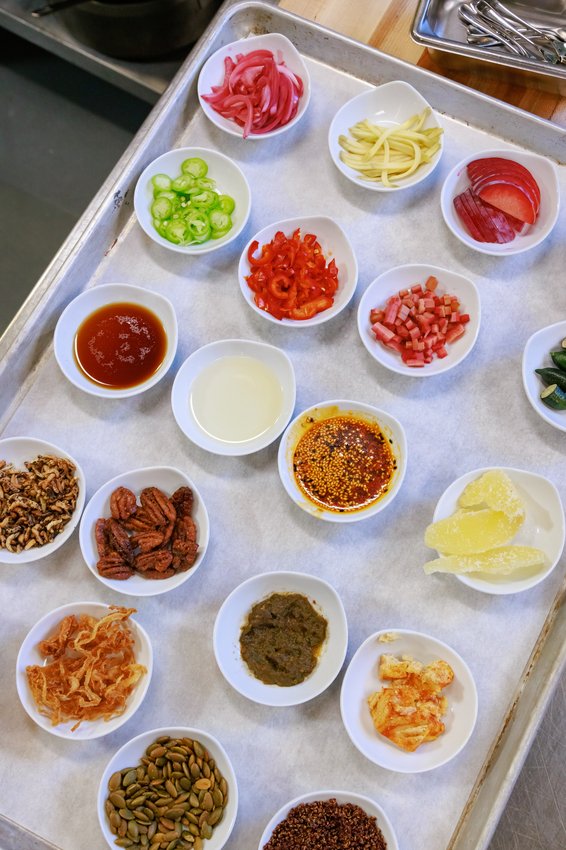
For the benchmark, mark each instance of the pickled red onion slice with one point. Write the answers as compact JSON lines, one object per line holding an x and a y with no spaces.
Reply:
{"x":259,"y":92}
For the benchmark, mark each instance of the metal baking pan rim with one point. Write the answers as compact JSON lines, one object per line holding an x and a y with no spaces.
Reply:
{"x":460,"y":48}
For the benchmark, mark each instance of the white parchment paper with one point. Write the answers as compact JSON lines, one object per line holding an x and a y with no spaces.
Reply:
{"x":474,"y":416}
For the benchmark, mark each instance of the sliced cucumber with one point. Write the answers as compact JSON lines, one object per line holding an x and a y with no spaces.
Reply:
{"x":554,"y":397}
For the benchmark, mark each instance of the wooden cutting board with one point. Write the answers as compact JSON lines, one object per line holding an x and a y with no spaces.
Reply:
{"x":386,"y":24}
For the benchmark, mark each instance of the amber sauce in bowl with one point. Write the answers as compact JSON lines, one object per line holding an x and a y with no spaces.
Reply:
{"x":120,"y":345}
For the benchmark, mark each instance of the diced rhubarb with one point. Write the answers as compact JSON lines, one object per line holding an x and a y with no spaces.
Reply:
{"x":454,"y":333}
{"x":441,"y":353}
{"x":431,"y":283}
{"x":382,"y":332}
{"x":391,"y":308}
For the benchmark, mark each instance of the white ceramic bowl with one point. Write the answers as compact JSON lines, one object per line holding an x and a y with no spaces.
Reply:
{"x":274,"y":359}
{"x":537,"y":356}
{"x":369,"y":806}
{"x":232,"y":617}
{"x":168,"y":479}
{"x":93,"y":299}
{"x":543,"y":527}
{"x":29,"y":655}
{"x":390,"y":427}
{"x":403,"y":277}
{"x":335,"y":245}
{"x":388,"y":105}
{"x":18,"y":450}
{"x":129,"y":756}
{"x":362,"y":679}
{"x":229,"y":179}
{"x":212,"y":74}
{"x":546,"y":176}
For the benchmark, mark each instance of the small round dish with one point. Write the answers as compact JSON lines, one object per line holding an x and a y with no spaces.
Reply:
{"x":83,"y":306}
{"x":537,"y":356}
{"x":545,"y":175}
{"x":543,"y":528}
{"x":232,"y":617}
{"x":167,"y":479}
{"x":403,"y":277}
{"x":259,"y":402}
{"x":335,"y":245}
{"x":389,"y":106}
{"x":228,"y":177}
{"x":134,"y":750}
{"x":369,"y":806}
{"x":29,"y":655}
{"x":212,"y":74}
{"x":389,"y":426}
{"x":362,"y":679}
{"x":18,"y":450}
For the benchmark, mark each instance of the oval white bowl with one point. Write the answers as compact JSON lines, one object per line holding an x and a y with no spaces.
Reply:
{"x":403,"y":277}
{"x":335,"y":245}
{"x":17,"y":450}
{"x":390,"y":426}
{"x":537,"y":356}
{"x":273,"y":358}
{"x":212,"y":74}
{"x":168,"y":479}
{"x":369,"y":806}
{"x":543,"y":527}
{"x":29,"y":655}
{"x":546,"y":176}
{"x":232,"y":617}
{"x":388,"y":105}
{"x":362,"y":679}
{"x":129,"y":756}
{"x":229,"y":178}
{"x":93,"y":299}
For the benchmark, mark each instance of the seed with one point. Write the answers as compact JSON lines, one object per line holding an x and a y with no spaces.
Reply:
{"x":115,"y":781}
{"x":152,"y":829}
{"x":152,"y":771}
{"x":223,"y":786}
{"x":171,"y":790}
{"x":132,"y":789}
{"x":124,"y":842}
{"x":206,"y":770}
{"x":193,"y":829}
{"x":127,"y":814}
{"x":133,"y":830}
{"x":198,"y":844}
{"x":158,"y":837}
{"x":163,"y":740}
{"x":202,"y":784}
{"x":129,"y":778}
{"x":176,"y":757}
{"x":175,"y":813}
{"x":215,"y":816}
{"x":123,"y":828}
{"x":170,"y":836}
{"x":115,"y":821}
{"x":172,"y":844}
{"x":218,"y":797}
{"x":194,"y":801}
{"x":207,"y":803}
{"x":157,"y":752}
{"x":199,"y":750}
{"x":109,"y":808}
{"x":183,"y":751}
{"x":206,"y":831}
{"x":117,"y":799}
{"x":191,"y":818}
{"x":203,"y":819}
{"x":138,"y":801}
{"x":144,"y":840}
{"x":140,"y":774}
{"x":141,"y":817}
{"x":168,"y":824}
{"x":195,"y":770}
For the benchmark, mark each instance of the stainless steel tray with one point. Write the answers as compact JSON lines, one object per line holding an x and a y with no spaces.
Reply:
{"x":460,"y":804}
{"x":436,"y":25}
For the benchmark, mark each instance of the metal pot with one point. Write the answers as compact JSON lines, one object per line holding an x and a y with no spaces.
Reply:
{"x":139,"y":29}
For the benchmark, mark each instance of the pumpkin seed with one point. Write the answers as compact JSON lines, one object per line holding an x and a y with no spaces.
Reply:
{"x":202,"y":784}
{"x":206,"y":831}
{"x":115,"y":781}
{"x":133,"y":830}
{"x":198,"y":844}
{"x":163,"y":740}
{"x":215,"y":816}
{"x":129,"y":777}
{"x":124,"y":842}
{"x":207,"y":802}
{"x":117,"y":799}
{"x":199,"y":750}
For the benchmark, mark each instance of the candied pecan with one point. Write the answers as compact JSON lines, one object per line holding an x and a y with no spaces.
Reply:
{"x":159,"y":561}
{"x":122,"y":503}
{"x":182,"y":563}
{"x":101,"y":537}
{"x":167,"y":532}
{"x":182,"y":498}
{"x":119,"y":540}
{"x":140,"y":522}
{"x":145,"y":541}
{"x":157,"y":505}
{"x":168,"y":573}
{"x":184,"y":539}
{"x":112,"y":566}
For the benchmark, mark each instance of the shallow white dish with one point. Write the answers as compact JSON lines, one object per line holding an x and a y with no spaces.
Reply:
{"x":29,"y":655}
{"x":93,"y":299}
{"x":403,"y":277}
{"x":229,"y":179}
{"x":388,"y":105}
{"x":543,"y":527}
{"x":390,"y":427}
{"x":232,"y":617}
{"x":537,"y":356}
{"x":274,"y":359}
{"x":168,"y":479}
{"x":212,"y":74}
{"x":18,"y":450}
{"x":335,"y":245}
{"x":369,"y":806}
{"x":546,"y":176}
{"x":129,"y":756}
{"x":362,"y":679}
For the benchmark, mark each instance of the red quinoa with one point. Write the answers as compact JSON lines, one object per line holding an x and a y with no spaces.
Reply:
{"x":326,"y":825}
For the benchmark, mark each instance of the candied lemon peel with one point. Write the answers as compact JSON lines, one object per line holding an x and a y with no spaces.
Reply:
{"x":468,"y":532}
{"x":501,"y":561}
{"x":495,"y":490}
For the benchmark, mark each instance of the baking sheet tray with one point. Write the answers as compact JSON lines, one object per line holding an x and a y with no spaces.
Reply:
{"x":475,"y":416}
{"x":437,"y":26}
